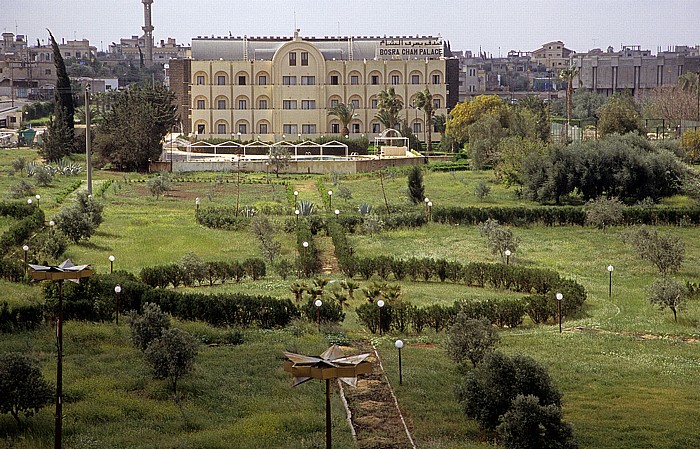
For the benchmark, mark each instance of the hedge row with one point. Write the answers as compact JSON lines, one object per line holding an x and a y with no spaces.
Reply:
{"x":309,"y":263}
{"x":15,"y":209}
{"x":563,"y":215}
{"x":402,"y":317}
{"x":21,"y":230}
{"x":221,"y":218}
{"x":17,"y":318}
{"x":175,"y":274}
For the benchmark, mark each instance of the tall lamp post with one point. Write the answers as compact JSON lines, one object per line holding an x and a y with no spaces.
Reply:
{"x":117,"y":290}
{"x":380,"y":304}
{"x":507,"y":254}
{"x":25,"y":248}
{"x":111,"y":264}
{"x":330,"y":199}
{"x":318,"y":303}
{"x":559,"y":297}
{"x":305,"y":245}
{"x":66,"y":271}
{"x":38,"y":197}
{"x":399,"y":346}
{"x":610,"y":270}
{"x":296,"y":198}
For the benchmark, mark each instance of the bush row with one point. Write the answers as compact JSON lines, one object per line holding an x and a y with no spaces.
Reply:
{"x":17,"y":318}
{"x":21,"y":230}
{"x":563,"y":215}
{"x":309,"y":263}
{"x":15,"y":209}
{"x":221,"y":218}
{"x":216,"y":271}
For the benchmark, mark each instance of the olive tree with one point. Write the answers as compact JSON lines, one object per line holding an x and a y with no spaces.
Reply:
{"x":469,"y":339}
{"x":666,"y":251}
{"x":22,"y":387}
{"x":668,"y":293}
{"x":148,"y":326}
{"x":171,"y":356}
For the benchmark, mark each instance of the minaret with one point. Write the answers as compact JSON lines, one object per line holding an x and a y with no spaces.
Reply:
{"x":148,"y":31}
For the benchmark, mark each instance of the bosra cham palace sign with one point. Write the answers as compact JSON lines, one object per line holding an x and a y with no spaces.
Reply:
{"x":412,"y":48}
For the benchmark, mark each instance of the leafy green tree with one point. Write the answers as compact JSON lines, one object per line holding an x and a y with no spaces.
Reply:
{"x":530,"y":119}
{"x":530,"y":425}
{"x":484,"y":136}
{"x":490,"y":388}
{"x":345,"y":113}
{"x":690,"y":143}
{"x":279,"y":159}
{"x":618,"y":116}
{"x":586,"y":103}
{"x":171,"y":356}
{"x":265,"y":233}
{"x":416,"y":189}
{"x":512,"y":152}
{"x":80,"y":220}
{"x":470,"y":340}
{"x":666,"y":251}
{"x":424,"y":102}
{"x":466,"y":113}
{"x":668,"y":293}
{"x":148,"y":326}
{"x":22,"y":387}
{"x":389,"y":107}
{"x":499,"y":238}
{"x":132,"y":130}
{"x":159,"y":185}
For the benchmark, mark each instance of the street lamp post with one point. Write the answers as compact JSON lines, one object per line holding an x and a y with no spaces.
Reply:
{"x":117,"y":290}
{"x":380,"y":304}
{"x":430,"y":210}
{"x":330,"y":199}
{"x":38,"y":197}
{"x":507,"y":254}
{"x":426,"y":201}
{"x":559,"y":297}
{"x":610,"y":270}
{"x":25,"y":248}
{"x":399,"y":345}
{"x":196,"y":204}
{"x":296,"y":198}
{"x":111,"y":264}
{"x":29,"y":201}
{"x":337,"y":214}
{"x":318,"y":303}
{"x":305,"y":245}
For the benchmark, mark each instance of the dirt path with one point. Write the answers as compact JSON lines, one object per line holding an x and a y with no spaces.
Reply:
{"x":329,"y":263}
{"x":374,"y":413}
{"x":637,"y":335}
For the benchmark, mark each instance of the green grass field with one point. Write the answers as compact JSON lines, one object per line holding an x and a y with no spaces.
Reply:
{"x":627,"y":370}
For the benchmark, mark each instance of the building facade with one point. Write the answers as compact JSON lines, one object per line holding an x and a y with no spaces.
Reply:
{"x":553,"y":55}
{"x":273,"y":88}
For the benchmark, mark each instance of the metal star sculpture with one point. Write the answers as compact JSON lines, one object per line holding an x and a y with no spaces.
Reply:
{"x":67,"y":270}
{"x":331,"y":364}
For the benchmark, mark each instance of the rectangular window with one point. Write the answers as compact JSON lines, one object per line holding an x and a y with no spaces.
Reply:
{"x":375,"y":80}
{"x":262,"y":104}
{"x":292,"y":58}
{"x":436,"y":103}
{"x":241,"y":80}
{"x":289,"y":129}
{"x":242,"y":128}
{"x":375,"y":103}
{"x":417,"y":128}
{"x":376,"y":128}
{"x":334,"y":103}
{"x":46,"y":72}
{"x":335,"y":128}
{"x":200,"y":129}
{"x":200,"y":80}
{"x":289,"y":104}
{"x":77,"y":54}
{"x":200,"y":104}
{"x":394,"y":79}
{"x":356,"y":128}
{"x":262,"y":80}
{"x":355,"y":104}
{"x":242,"y":104}
{"x":308,"y":129}
{"x":354,"y":80}
{"x":308,"y":104}
{"x":262,"y":128}
{"x":220,"y":80}
{"x":67,"y":54}
{"x":436,"y":79}
{"x":221,"y":104}
{"x":221,"y":128}
{"x":308,"y":80}
{"x":415,"y":79}
{"x":304,"y":58}
{"x":289,"y":80}
{"x":334,"y":80}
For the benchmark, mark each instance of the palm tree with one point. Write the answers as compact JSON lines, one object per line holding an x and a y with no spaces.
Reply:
{"x":568,"y":75}
{"x":424,"y":102}
{"x":345,"y":113}
{"x":389,"y":104}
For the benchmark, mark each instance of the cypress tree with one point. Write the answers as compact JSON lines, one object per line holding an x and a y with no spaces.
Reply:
{"x":416,"y":190}
{"x":60,"y":133}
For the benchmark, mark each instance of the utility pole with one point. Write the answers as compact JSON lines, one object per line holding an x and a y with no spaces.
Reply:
{"x":88,"y":149}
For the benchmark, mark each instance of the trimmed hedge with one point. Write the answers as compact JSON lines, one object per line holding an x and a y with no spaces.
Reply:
{"x":18,"y":318}
{"x":22,"y":230}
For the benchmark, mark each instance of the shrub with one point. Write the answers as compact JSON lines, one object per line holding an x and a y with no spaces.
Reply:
{"x":23,"y":317}
{"x":470,"y":339}
{"x":490,"y":388}
{"x":482,"y":190}
{"x":80,"y":220}
{"x":331,"y":311}
{"x":668,"y":293}
{"x":22,"y":387}
{"x":416,"y":190}
{"x":21,"y":189}
{"x":255,"y":268}
{"x":530,"y":425}
{"x":171,"y":356}
{"x":603,"y":212}
{"x":148,"y":326}
{"x":666,"y":251}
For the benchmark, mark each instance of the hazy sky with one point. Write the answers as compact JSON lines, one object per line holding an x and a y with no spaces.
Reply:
{"x":493,"y":25}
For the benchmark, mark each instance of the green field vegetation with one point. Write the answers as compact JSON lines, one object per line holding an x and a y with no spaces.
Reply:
{"x":621,"y":389}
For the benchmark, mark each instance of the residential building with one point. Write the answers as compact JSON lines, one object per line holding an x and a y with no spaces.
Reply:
{"x":553,"y":55}
{"x":133,"y":49}
{"x":276,"y":87}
